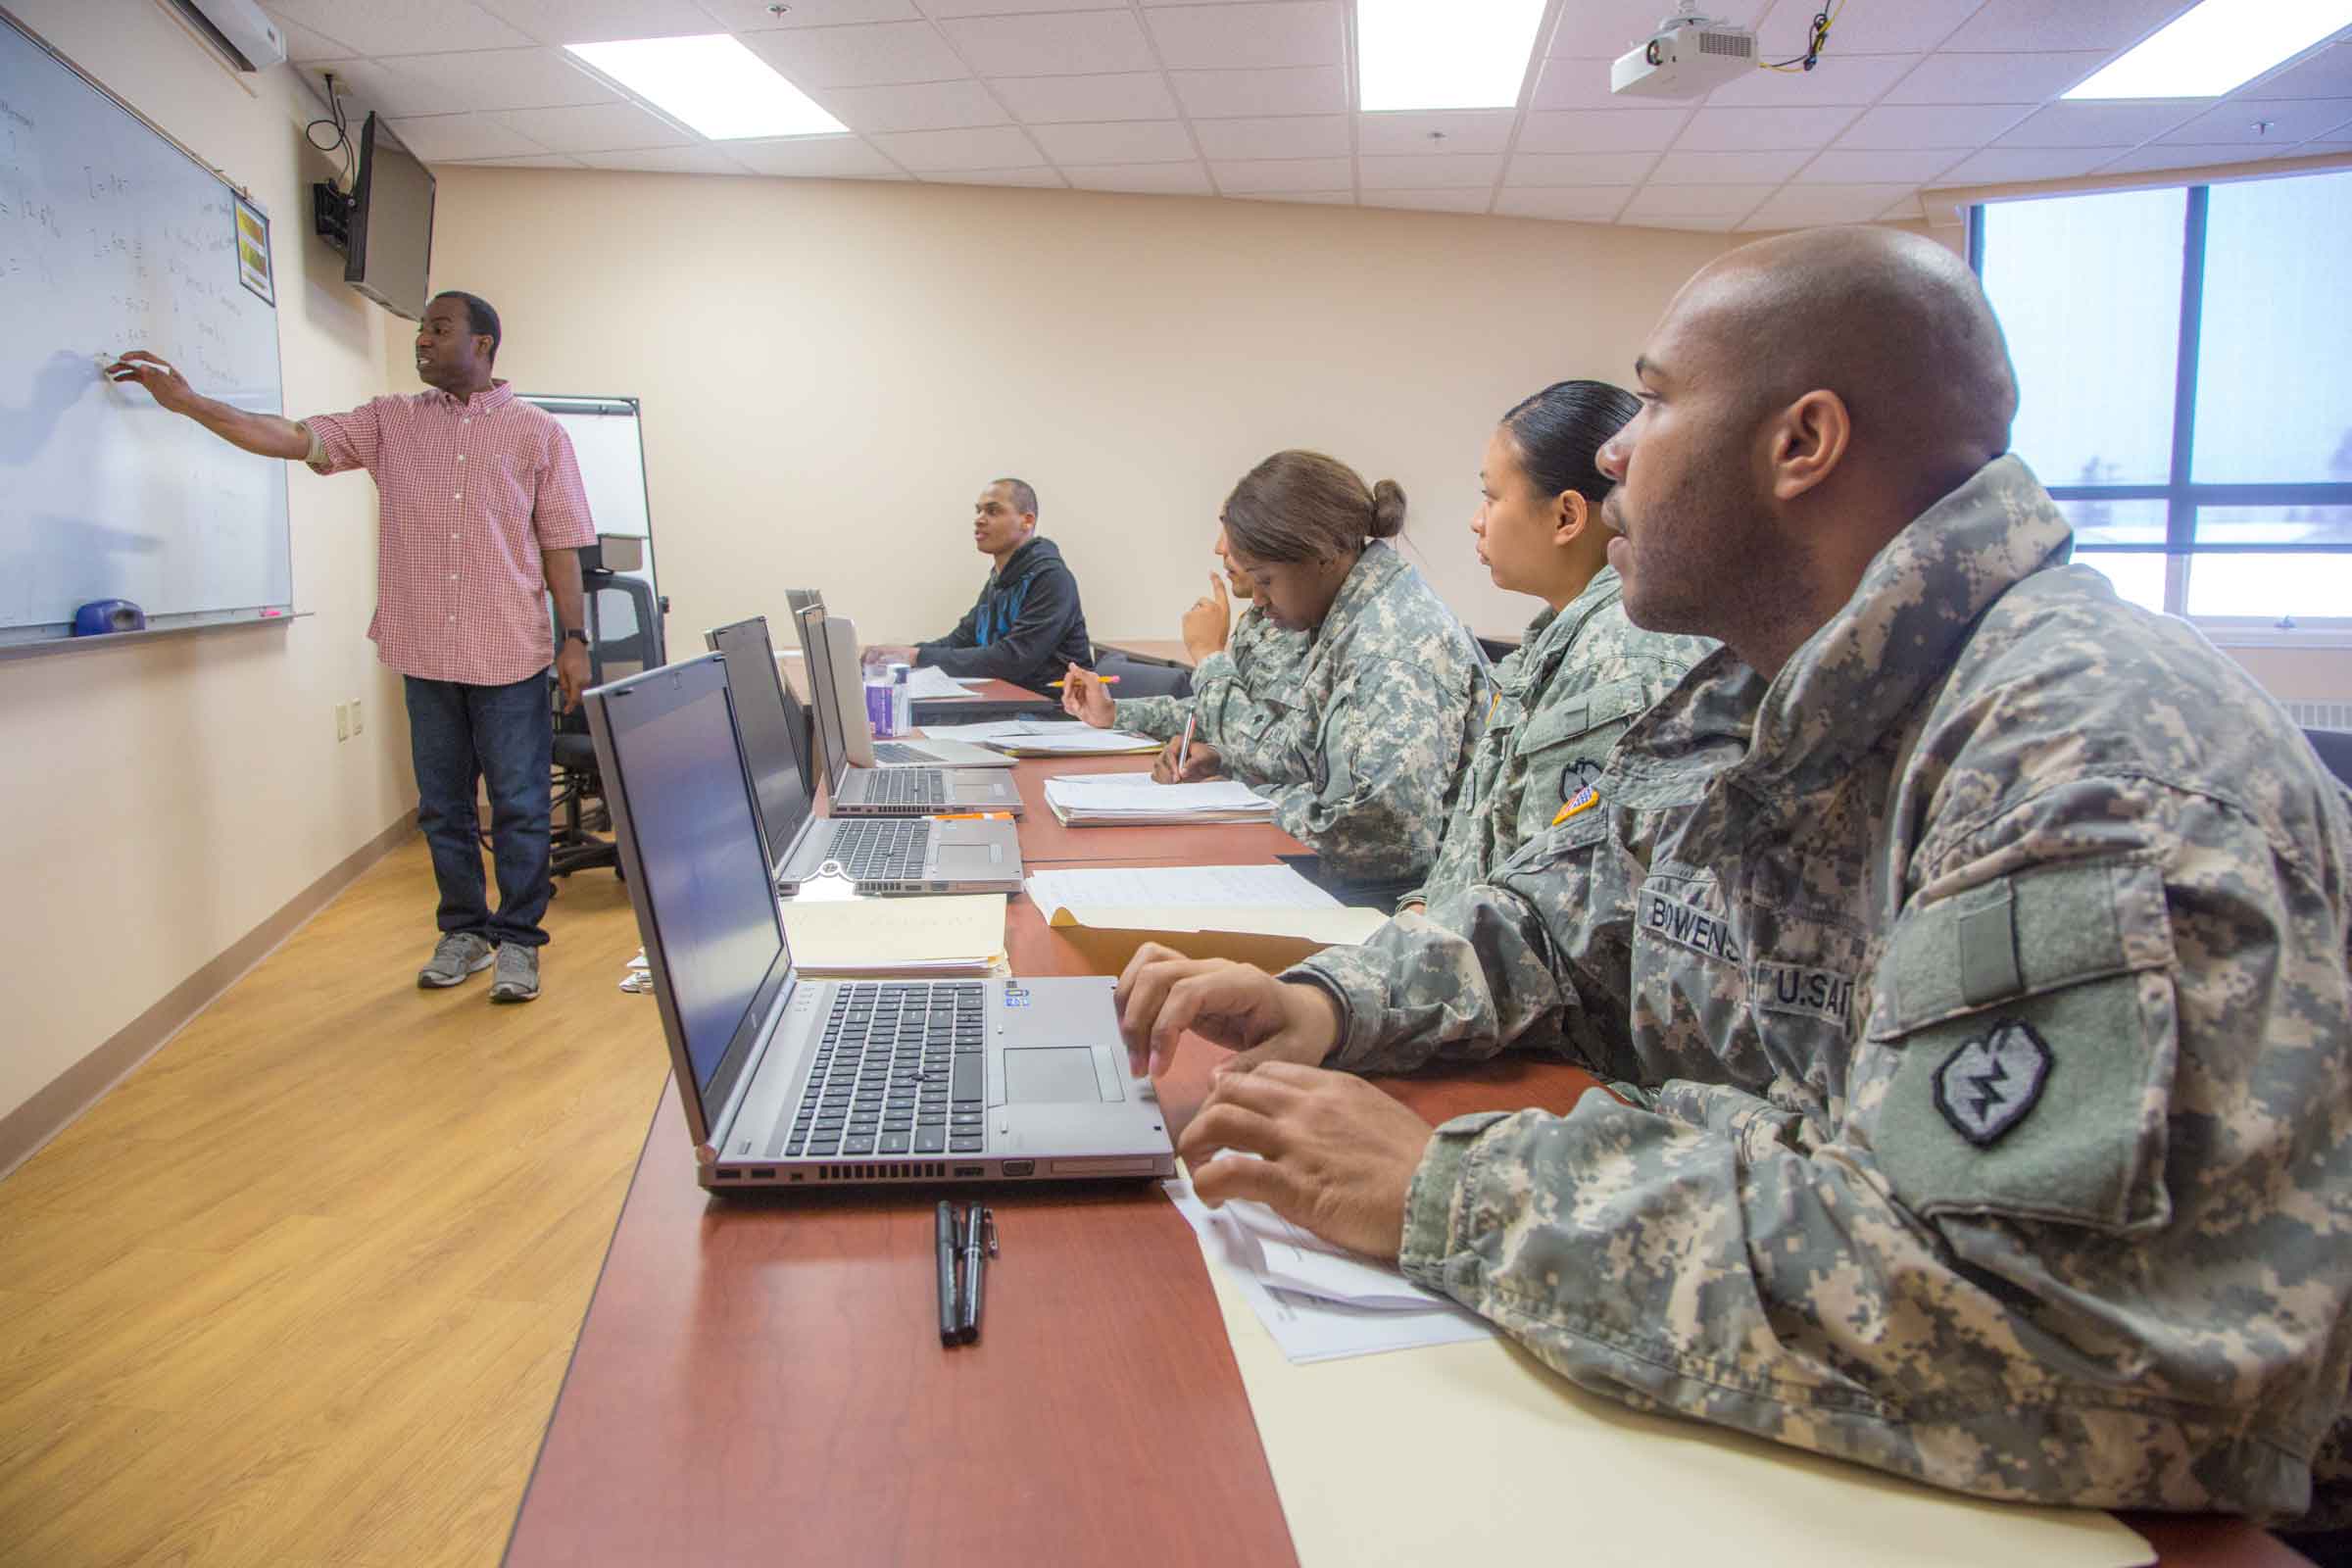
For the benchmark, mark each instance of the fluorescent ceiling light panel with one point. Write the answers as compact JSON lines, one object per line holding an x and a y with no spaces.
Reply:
{"x":2215,"y":47}
{"x":712,"y":83}
{"x":1443,"y":53}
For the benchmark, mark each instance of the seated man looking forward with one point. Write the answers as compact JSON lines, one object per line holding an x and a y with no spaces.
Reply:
{"x":1028,"y":625}
{"x":1966,"y":945}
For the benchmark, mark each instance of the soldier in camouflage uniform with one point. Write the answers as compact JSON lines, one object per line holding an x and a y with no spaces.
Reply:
{"x":1584,"y":671}
{"x":1359,"y":746}
{"x":1967,"y":949}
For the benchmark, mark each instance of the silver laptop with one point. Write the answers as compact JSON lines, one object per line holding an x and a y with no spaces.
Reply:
{"x":853,"y":791}
{"x":856,"y":728}
{"x":793,"y":1082}
{"x":881,"y":855}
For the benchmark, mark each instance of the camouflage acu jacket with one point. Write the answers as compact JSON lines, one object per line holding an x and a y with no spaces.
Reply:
{"x":1560,"y":700}
{"x":1359,"y":748}
{"x":1978,"y":987}
{"x":1264,"y":656}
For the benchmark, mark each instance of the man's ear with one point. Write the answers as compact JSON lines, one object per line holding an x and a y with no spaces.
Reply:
{"x":1570,"y":514}
{"x":1808,"y":439}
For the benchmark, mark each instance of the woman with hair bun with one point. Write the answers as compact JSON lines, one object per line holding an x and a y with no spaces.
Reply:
{"x":1583,"y":673}
{"x":1360,"y":749}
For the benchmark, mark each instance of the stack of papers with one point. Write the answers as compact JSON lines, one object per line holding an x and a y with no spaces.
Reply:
{"x":1176,"y":887}
{"x":1319,"y":1302}
{"x":993,"y":731}
{"x":1072,"y":740}
{"x":1097,"y":800}
{"x":927,"y":683}
{"x":1268,"y":916}
{"x":963,"y":934}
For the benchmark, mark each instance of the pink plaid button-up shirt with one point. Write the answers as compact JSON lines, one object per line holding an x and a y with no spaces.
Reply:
{"x":471,"y":493}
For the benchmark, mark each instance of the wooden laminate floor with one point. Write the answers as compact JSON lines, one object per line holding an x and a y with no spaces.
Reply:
{"x":301,"y":1289}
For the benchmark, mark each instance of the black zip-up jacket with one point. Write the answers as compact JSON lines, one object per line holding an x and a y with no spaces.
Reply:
{"x":1027,"y":626}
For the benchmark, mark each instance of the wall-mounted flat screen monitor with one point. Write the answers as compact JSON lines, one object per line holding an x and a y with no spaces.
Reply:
{"x":391,"y":224}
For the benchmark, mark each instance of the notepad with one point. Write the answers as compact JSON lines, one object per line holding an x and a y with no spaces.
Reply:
{"x":1095,"y":800}
{"x":963,"y":934}
{"x":927,"y":683}
{"x":1072,"y":740}
{"x":1174,"y":887}
{"x":1268,"y":916}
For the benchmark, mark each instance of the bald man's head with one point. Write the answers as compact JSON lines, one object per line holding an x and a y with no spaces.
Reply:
{"x":1805,"y":398}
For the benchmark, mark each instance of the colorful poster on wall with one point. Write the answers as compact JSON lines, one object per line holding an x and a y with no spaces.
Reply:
{"x":253,"y":250}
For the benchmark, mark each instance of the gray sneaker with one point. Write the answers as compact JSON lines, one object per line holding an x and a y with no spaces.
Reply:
{"x":457,"y":955}
{"x":517,"y":977}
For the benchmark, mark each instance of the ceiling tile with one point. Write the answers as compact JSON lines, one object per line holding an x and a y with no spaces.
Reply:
{"x":1125,"y":141}
{"x":2159,"y":156}
{"x":1155,"y":179}
{"x":562,"y":21}
{"x":489,"y":78}
{"x":1578,"y":169}
{"x":2290,"y":120}
{"x":305,"y":44}
{"x":2001,"y":166}
{"x":1430,"y":200}
{"x":525,"y":161}
{"x":1428,"y":172}
{"x":437,"y":138}
{"x":1806,"y":206}
{"x":943,"y":9}
{"x":1836,"y":79}
{"x":668,"y":161}
{"x":1283,"y":174}
{"x":1726,"y":169}
{"x":1694,"y":200}
{"x":865,"y":55}
{"x":1949,"y":77}
{"x":928,"y":152}
{"x":1569,"y":84}
{"x":1585,"y":204}
{"x":913,"y":106}
{"x":2097,"y":125}
{"x":1231,"y":94}
{"x":1877,"y":167}
{"x":1030,"y":176}
{"x":1730,"y":130}
{"x":595,"y":129}
{"x":1721,"y":223}
{"x":1042,"y":100}
{"x":1318,"y":197}
{"x":1908,"y":128}
{"x":2327,"y":74}
{"x":1286,"y":137}
{"x":814,"y":158}
{"x":1886,"y":27}
{"x":1222,"y":37}
{"x":753,"y":15}
{"x":2109,"y":25}
{"x":414,"y":27}
{"x":1600,"y":130}
{"x":1459,"y":130}
{"x":1057,"y":45}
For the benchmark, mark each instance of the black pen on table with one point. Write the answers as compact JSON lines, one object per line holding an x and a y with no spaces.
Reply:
{"x":976,"y":1268}
{"x":947,"y":1243}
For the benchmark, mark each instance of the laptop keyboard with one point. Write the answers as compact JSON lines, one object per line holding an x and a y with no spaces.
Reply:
{"x":881,"y":851}
{"x":896,"y":751}
{"x":906,"y":786}
{"x":900,"y":1071}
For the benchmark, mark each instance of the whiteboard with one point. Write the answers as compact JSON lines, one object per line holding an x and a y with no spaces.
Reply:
{"x":111,"y":238}
{"x":609,"y":444}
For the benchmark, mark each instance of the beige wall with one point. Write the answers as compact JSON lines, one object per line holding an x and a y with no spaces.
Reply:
{"x":164,"y":800}
{"x":831,"y":370}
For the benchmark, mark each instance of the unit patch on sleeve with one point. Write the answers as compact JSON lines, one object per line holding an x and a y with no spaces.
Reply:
{"x":1986,"y":1086}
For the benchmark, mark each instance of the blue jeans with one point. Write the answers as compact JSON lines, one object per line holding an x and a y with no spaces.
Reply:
{"x":459,"y":735}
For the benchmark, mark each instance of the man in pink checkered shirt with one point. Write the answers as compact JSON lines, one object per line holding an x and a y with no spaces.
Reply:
{"x":483,"y":515}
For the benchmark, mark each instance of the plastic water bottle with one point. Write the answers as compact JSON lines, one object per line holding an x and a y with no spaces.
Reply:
{"x":902,"y":699}
{"x":881,"y":713}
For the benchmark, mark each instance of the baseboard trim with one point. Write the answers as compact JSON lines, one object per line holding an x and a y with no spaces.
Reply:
{"x":56,"y":1106}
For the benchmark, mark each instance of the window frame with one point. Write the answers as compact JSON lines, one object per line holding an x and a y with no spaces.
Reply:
{"x":2181,"y":494}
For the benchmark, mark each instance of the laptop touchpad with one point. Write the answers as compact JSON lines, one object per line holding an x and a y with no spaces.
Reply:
{"x":1055,"y":1073}
{"x":969,"y":860}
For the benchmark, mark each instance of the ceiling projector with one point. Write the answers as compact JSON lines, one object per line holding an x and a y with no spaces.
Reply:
{"x":1687,"y":57}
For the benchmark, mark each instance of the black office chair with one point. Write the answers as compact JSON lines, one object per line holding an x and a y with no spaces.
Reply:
{"x":625,"y":637}
{"x":2334,"y":747}
{"x":1141,"y":678}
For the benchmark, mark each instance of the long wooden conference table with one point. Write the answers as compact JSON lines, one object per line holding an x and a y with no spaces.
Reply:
{"x":760,"y":1380}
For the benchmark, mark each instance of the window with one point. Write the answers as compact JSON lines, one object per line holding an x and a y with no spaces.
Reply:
{"x":2184,"y":378}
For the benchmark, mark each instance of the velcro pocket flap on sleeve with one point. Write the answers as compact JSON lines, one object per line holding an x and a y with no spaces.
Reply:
{"x":2034,"y":1027}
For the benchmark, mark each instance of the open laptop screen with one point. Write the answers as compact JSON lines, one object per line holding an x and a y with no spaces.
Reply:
{"x":711,"y":925}
{"x":765,"y":724}
{"x":827,"y":696}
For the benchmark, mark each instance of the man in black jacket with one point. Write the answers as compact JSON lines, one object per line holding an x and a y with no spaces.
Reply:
{"x":1028,"y":625}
